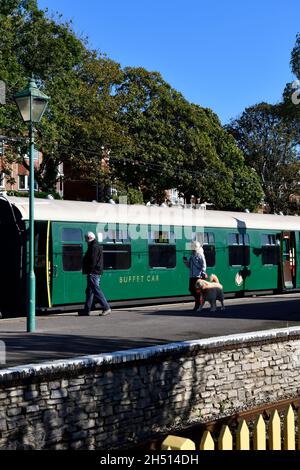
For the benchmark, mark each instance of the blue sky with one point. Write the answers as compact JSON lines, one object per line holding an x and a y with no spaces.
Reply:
{"x":221,"y":54}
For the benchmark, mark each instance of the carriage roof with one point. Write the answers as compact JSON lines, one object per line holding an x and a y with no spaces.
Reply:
{"x":79,"y":211}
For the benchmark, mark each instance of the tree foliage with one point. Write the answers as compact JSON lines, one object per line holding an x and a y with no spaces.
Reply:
{"x":81,"y":114}
{"x":268,"y":140}
{"x":152,"y":136}
{"x":179,"y":144}
{"x":291,"y":94}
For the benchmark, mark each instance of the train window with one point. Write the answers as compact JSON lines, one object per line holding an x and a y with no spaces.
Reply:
{"x":209,"y":249}
{"x":207,"y":239}
{"x":40,"y":255}
{"x":238,"y":239}
{"x":116,"y":235}
{"x":162,"y":256}
{"x":122,"y":234}
{"x":269,"y":249}
{"x":161,"y":236}
{"x":116,"y":256}
{"x":210,"y":255}
{"x":72,"y":257}
{"x":71,"y":235}
{"x":239,"y":249}
{"x":267,"y":239}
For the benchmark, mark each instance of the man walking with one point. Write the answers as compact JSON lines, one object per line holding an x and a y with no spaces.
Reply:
{"x":92,"y":266}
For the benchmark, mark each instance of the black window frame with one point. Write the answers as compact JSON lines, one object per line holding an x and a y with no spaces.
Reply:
{"x":238,"y":249}
{"x":170,"y":240}
{"x":115,"y":262}
{"x":270,"y":250}
{"x":209,"y":248}
{"x":72,"y":262}
{"x":71,"y":239}
{"x":162,"y":255}
{"x":116,"y":235}
{"x":162,"y":250}
{"x":207,"y":240}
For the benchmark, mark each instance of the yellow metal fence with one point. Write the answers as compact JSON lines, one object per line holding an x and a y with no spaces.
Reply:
{"x":277,"y":434}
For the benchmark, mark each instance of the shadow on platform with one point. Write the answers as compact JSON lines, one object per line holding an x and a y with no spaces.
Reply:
{"x":284,"y":310}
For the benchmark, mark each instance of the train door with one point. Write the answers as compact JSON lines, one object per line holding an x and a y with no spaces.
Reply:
{"x":288,"y":260}
{"x":68,"y":283}
{"x":42,"y":263}
{"x":12,"y":259}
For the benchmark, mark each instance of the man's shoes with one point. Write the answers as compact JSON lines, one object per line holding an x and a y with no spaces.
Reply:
{"x":83,"y":314}
{"x":105,"y":312}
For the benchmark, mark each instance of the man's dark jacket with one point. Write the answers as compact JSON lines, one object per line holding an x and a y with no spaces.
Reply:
{"x":93,"y":259}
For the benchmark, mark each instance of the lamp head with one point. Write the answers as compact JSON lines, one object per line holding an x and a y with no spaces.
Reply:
{"x":31,"y":102}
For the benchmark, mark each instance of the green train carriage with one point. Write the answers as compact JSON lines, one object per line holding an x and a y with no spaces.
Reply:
{"x":143,"y":250}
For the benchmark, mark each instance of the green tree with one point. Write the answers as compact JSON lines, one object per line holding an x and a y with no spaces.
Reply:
{"x":80,"y":119}
{"x":176,"y":144}
{"x":152,"y":138}
{"x":268,"y":140}
{"x":225,"y":179}
{"x":291,"y":94}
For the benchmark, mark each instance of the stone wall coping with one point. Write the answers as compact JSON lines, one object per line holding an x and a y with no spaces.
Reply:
{"x":48,"y":368}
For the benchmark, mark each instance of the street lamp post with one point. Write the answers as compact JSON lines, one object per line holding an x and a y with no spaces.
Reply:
{"x":32,"y":104}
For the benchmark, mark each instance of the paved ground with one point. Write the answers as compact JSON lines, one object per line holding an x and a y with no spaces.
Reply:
{"x":67,"y":335}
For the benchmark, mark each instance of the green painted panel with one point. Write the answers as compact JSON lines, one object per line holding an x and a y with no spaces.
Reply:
{"x":40,"y":241}
{"x":297,"y":236}
{"x":68,"y":283}
{"x":254,"y":276}
{"x":141,"y":281}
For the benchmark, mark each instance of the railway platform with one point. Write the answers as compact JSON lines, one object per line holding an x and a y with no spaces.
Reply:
{"x":67,"y":335}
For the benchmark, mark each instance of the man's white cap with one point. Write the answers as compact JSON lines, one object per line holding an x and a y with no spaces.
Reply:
{"x":90,"y":236}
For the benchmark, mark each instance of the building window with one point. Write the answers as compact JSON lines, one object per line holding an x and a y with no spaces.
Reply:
{"x":60,"y":170}
{"x":269,"y":250}
{"x":239,"y":249}
{"x":72,"y":257}
{"x":2,"y":180}
{"x":23,"y":182}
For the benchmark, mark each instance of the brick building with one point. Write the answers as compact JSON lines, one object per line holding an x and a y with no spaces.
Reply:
{"x":18,"y":179}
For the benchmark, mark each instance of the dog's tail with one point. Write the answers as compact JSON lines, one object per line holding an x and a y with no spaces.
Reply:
{"x":214,"y":278}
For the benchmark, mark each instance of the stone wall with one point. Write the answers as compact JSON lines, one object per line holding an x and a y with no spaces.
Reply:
{"x":114,"y":401}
